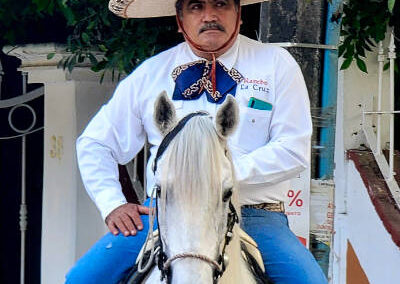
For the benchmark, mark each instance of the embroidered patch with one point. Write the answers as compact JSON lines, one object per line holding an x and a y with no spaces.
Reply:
{"x":258,"y":85}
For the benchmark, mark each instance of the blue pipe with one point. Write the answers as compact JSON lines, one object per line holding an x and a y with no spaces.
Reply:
{"x":329,"y":93}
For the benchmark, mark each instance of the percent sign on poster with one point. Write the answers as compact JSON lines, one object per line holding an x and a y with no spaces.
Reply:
{"x":294,"y":198}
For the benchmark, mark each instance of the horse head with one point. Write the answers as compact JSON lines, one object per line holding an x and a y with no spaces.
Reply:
{"x":197,"y":190}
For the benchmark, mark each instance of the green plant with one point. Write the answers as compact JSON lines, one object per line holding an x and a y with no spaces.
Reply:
{"x":364,"y":24}
{"x":122,"y":43}
{"x":89,"y":30}
{"x":20,"y":19}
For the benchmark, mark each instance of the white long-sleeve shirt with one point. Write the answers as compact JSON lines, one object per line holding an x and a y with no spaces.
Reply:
{"x":269,"y":146}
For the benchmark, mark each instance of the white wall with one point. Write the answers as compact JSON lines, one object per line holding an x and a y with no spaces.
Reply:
{"x":70,"y":221}
{"x":357,"y":91}
{"x":379,"y":256}
{"x":90,"y":97}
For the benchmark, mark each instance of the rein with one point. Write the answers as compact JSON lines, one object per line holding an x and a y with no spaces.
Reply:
{"x":163,"y":262}
{"x":212,"y":262}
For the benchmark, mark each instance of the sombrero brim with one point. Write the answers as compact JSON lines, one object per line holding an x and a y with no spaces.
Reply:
{"x":151,"y":8}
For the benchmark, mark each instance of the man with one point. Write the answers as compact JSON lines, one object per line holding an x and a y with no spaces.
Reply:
{"x":270,"y":146}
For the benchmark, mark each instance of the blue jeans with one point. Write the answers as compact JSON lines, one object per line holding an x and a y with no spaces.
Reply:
{"x":285,"y":258}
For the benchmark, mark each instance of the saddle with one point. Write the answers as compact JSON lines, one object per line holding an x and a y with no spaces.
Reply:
{"x":249,"y":250}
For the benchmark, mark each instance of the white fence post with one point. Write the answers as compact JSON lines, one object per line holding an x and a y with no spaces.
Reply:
{"x":381,"y":60}
{"x":373,"y":139}
{"x":391,"y":56}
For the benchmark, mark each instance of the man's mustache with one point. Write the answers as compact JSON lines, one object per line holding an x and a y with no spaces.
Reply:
{"x":211,"y":26}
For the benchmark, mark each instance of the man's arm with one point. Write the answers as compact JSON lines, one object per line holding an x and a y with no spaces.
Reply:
{"x":288,"y":150}
{"x":115,"y":135}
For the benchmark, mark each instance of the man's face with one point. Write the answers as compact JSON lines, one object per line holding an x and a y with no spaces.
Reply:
{"x":209,"y":23}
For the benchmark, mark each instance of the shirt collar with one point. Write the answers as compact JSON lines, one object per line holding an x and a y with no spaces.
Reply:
{"x":228,"y":59}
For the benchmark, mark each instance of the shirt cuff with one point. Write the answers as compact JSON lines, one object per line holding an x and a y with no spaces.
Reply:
{"x":105,"y":211}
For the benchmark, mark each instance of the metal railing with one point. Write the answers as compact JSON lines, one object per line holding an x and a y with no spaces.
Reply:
{"x":12,"y":105}
{"x":1,"y":77}
{"x":374,"y":140}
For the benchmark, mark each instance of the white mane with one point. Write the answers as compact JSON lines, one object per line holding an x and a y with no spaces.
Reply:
{"x":193,"y":163}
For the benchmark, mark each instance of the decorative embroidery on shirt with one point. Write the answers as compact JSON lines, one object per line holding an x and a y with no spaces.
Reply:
{"x":193,"y":89}
{"x":235,"y":75}
{"x":191,"y":79}
{"x":178,"y":70}
{"x":208,"y":86}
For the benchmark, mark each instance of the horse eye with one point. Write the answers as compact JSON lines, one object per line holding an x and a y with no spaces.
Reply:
{"x":227,"y":195}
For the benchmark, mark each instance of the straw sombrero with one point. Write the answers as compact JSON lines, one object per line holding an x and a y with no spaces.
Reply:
{"x":150,"y":8}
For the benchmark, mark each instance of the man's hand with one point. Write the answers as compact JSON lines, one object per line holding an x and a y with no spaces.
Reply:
{"x":126,"y":218}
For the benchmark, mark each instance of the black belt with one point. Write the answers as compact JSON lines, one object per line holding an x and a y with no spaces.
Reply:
{"x":274,"y":207}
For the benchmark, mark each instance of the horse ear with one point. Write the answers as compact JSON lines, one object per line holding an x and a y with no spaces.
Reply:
{"x":164,"y":113}
{"x":227,"y":117}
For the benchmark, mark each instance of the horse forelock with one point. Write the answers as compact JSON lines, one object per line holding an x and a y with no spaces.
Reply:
{"x":194,"y":167}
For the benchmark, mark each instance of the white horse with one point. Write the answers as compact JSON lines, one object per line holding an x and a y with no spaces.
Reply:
{"x":197,"y":192}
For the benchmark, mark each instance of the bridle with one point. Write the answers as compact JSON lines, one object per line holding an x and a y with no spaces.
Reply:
{"x":163,"y":262}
